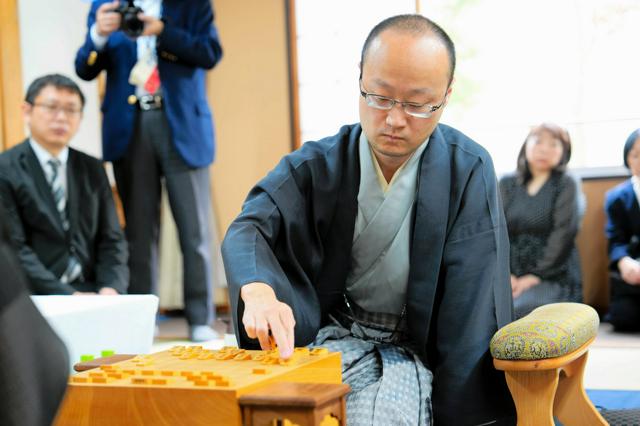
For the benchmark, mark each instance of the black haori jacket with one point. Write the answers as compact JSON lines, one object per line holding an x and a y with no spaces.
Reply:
{"x":295,"y":233}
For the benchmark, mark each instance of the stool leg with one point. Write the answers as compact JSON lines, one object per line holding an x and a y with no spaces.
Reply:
{"x":247,"y":416}
{"x":572,"y":406}
{"x":533,"y":393}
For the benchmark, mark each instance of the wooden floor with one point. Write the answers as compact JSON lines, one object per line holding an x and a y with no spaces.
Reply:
{"x":613,"y":361}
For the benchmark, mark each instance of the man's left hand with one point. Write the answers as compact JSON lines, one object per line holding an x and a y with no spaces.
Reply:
{"x":523,"y":284}
{"x":152,"y":26}
{"x":107,"y":291}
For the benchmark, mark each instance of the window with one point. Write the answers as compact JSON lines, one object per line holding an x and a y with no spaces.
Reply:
{"x":519,"y":63}
{"x":330,"y":37}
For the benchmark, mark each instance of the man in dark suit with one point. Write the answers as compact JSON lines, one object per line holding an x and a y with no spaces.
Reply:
{"x":60,"y":208}
{"x":157,"y":124}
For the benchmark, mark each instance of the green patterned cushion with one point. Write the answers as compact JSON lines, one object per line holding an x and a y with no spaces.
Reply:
{"x":549,"y":331}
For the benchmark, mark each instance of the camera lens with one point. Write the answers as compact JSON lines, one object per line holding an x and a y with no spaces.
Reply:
{"x":131,"y":25}
{"x":129,"y":22}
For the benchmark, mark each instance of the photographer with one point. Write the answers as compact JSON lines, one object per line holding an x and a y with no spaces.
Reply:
{"x":157,"y":124}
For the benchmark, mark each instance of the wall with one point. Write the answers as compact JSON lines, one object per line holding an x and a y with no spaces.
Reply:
{"x":329,"y":89}
{"x":592,"y":244}
{"x":50,"y":35}
{"x":248,"y":90}
{"x":249,"y":94}
{"x":11,"y":126}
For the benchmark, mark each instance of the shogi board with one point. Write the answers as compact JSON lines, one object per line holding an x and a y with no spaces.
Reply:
{"x":186,"y":385}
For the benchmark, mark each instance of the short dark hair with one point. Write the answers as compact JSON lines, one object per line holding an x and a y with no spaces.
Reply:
{"x":631,"y":140}
{"x":58,"y":81}
{"x":559,"y":133}
{"x":412,"y":24}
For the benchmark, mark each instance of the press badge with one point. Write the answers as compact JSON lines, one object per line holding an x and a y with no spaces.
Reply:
{"x":141,"y":72}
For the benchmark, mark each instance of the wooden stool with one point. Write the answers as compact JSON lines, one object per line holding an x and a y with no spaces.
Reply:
{"x":312,"y":404}
{"x":548,"y":387}
{"x":543,"y":366}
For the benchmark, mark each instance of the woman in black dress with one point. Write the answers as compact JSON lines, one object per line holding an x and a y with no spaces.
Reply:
{"x":541,"y":207}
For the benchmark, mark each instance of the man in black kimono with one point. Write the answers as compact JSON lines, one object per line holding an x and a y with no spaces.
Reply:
{"x":386,"y":242}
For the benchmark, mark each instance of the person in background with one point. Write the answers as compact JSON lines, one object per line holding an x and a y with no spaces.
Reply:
{"x":623,"y":233}
{"x":59,"y":203}
{"x":541,"y":205}
{"x":34,"y":363}
{"x":157,"y":126}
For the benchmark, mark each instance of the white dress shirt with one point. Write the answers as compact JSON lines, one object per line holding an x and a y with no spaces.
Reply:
{"x":43,"y":158}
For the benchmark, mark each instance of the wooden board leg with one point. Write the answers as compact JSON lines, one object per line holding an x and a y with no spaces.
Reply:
{"x":533,"y":393}
{"x":572,"y":405}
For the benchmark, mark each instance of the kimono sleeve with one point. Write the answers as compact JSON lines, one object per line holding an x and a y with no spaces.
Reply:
{"x":256,"y":249}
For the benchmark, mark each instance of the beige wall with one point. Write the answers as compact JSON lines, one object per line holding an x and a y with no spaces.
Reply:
{"x":50,"y":35}
{"x":249,"y":94}
{"x":248,"y":90}
{"x":11,"y":127}
{"x":592,"y":244}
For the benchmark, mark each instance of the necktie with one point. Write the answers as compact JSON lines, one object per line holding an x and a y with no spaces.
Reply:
{"x":58,"y":191}
{"x":74,"y":269}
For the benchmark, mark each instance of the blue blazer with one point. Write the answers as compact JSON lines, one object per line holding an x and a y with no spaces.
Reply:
{"x":623,"y":221}
{"x":187,"y":47}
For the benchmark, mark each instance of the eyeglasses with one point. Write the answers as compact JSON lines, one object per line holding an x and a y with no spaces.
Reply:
{"x":53,"y":110}
{"x":413,"y":109}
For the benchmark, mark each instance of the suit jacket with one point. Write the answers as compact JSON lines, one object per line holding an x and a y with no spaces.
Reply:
{"x":295,"y":234}
{"x":32,"y":385}
{"x":623,"y":223}
{"x":94,"y":237}
{"x":187,"y":47}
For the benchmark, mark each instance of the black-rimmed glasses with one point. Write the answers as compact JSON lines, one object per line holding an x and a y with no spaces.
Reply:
{"x":412,"y":108}
{"x":54,"y":110}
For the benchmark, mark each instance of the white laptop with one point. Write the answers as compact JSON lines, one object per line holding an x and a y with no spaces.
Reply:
{"x":89,"y":325}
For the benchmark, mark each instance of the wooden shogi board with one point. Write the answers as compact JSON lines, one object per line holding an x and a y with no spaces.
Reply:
{"x":186,"y":385}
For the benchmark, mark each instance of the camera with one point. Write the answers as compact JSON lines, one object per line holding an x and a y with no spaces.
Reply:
{"x":129,"y":22}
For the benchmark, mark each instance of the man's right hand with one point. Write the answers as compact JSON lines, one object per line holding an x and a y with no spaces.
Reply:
{"x":263,"y":312}
{"x":629,"y":270}
{"x":107,"y":21}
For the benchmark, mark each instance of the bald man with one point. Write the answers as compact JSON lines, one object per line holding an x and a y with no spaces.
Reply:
{"x":386,"y":242}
